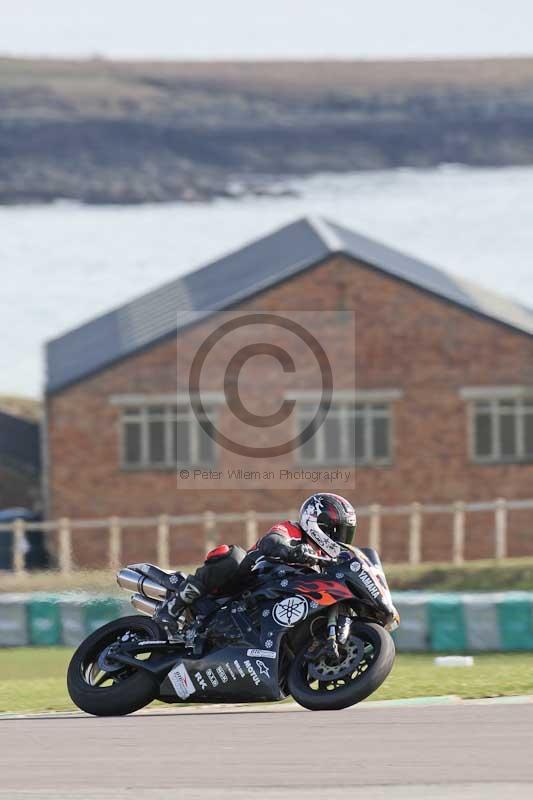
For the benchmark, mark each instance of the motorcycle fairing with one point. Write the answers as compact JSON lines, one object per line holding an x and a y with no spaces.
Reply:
{"x":240,"y":672}
{"x":229,"y":675}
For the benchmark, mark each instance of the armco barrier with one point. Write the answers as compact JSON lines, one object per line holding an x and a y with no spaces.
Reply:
{"x":434,"y":622}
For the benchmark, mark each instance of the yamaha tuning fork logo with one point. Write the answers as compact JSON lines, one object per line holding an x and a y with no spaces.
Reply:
{"x":290,"y":611}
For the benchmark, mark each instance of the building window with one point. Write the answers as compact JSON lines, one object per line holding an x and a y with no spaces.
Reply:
{"x":352,"y":433}
{"x":502,"y":430}
{"x":165,"y":436}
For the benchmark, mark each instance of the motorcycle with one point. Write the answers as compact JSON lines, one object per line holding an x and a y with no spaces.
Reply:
{"x":319,"y":634}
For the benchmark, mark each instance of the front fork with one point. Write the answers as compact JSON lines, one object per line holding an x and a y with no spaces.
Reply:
{"x":339,"y":624}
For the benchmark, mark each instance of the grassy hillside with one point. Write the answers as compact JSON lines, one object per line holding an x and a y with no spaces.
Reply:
{"x":104,"y":131}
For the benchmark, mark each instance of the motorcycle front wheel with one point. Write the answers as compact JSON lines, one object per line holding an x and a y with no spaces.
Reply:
{"x":329,"y":684}
{"x":105,"y":688}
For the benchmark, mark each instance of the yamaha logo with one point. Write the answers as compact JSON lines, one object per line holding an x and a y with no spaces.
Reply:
{"x":355,"y":566}
{"x":290,"y":611}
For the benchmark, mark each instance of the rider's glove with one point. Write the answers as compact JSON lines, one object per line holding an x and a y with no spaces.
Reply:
{"x":302,"y":554}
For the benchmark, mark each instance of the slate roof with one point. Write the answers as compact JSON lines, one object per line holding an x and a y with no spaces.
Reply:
{"x":241,"y":274}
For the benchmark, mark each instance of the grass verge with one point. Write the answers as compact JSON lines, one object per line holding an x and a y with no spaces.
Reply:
{"x":33,"y":679}
{"x":511,"y":574}
{"x":487,"y":576}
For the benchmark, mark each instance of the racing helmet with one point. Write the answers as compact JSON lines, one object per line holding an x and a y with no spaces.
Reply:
{"x":328,"y":514}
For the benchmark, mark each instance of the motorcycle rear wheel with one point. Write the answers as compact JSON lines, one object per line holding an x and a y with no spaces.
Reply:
{"x":372,"y":649}
{"x":120,"y":691}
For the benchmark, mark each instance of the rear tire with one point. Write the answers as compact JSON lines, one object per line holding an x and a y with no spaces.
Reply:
{"x":380,"y":645}
{"x":131,"y":688}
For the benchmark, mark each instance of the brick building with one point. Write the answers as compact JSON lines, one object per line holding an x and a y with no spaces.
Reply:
{"x":442,"y":408}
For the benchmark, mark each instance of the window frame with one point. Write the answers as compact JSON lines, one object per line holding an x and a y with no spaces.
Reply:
{"x":494,"y":410}
{"x":344,"y":400}
{"x":171,"y":416}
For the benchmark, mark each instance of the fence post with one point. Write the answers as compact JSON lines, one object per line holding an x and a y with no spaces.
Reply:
{"x":458,"y":546}
{"x":19,"y":546}
{"x":251,"y":529}
{"x":209,"y":530}
{"x":374,"y":536}
{"x":163,"y":531}
{"x":65,"y":546}
{"x":500,"y":529}
{"x":115,"y":543}
{"x":415,"y":534}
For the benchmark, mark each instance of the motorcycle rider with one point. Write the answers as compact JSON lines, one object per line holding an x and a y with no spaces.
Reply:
{"x":326,"y":522}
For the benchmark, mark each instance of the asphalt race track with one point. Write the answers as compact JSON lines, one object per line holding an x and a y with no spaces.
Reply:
{"x":463,"y":751}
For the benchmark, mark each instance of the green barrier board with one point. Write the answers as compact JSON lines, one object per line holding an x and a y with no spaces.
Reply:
{"x":447,"y":624}
{"x":44,"y":621}
{"x":100,"y":611}
{"x":515,"y":617}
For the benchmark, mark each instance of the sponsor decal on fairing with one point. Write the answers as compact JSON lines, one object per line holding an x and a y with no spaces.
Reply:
{"x":181,"y":681}
{"x":221,"y":674}
{"x":261,"y":653}
{"x":365,"y":579}
{"x":263,"y":669}
{"x":252,"y":673}
{"x":239,"y":668}
{"x":231,"y":673}
{"x":198,"y":677}
{"x":211,"y":676}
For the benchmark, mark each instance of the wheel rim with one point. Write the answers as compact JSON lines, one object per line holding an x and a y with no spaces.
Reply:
{"x":357,"y":658}
{"x":97,"y":667}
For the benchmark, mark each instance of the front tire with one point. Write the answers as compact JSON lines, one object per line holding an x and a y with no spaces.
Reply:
{"x":120,"y":691}
{"x":315,"y":687}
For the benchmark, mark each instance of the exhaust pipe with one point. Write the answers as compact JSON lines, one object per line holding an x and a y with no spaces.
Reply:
{"x":144,"y":605}
{"x":133,"y":581}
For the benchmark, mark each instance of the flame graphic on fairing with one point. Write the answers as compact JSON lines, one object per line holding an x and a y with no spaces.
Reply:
{"x":323,"y":592}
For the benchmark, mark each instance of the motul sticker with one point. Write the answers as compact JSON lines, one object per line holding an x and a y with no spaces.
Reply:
{"x":180,"y":680}
{"x":253,"y":674}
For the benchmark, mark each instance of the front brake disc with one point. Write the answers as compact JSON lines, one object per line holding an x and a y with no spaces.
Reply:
{"x":322,"y":670}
